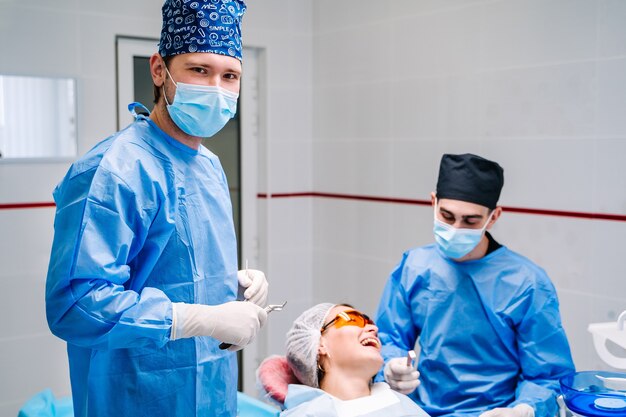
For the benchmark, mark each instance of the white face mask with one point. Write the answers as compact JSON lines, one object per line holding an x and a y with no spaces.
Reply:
{"x":456,"y":243}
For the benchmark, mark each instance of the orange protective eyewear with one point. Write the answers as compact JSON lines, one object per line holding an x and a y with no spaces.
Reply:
{"x":349,"y":318}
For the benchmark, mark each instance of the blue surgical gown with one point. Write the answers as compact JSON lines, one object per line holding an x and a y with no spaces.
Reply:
{"x":489,"y":331}
{"x":142,"y":221}
{"x":304,"y":401}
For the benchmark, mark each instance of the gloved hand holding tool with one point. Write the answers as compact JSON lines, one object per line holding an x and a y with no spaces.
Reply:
{"x":235,"y":322}
{"x":254,"y":284}
{"x":401,"y":375}
{"x":268,"y":309}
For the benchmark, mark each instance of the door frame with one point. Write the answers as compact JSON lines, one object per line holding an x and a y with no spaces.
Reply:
{"x":126,"y":48}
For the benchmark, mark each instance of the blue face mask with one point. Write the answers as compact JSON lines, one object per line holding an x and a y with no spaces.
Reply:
{"x":200,"y":110}
{"x":456,"y":243}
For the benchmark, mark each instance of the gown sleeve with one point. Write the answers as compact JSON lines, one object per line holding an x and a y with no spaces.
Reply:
{"x":394,"y":317}
{"x":544,"y":353}
{"x":100,"y":226}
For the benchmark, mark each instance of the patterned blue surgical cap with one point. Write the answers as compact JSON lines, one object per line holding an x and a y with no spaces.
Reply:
{"x":202,"y":26}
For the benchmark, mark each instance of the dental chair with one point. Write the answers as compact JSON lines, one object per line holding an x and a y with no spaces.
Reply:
{"x":251,"y":407}
{"x":45,"y":404}
{"x":273,"y":377}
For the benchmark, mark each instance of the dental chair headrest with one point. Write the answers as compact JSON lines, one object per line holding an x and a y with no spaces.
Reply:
{"x":274,"y":376}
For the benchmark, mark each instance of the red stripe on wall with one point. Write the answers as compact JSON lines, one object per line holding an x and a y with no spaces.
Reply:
{"x":560,"y":213}
{"x":26,"y":205}
{"x":542,"y":212}
{"x":348,"y":197}
{"x":523,"y":210}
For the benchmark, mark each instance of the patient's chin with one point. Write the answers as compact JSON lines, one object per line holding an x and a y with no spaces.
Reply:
{"x":372,"y":363}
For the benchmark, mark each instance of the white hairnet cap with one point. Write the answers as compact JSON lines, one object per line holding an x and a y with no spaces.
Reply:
{"x":303,"y":340}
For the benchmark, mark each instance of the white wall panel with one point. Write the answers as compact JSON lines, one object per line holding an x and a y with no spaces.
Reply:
{"x":30,"y":364}
{"x":373,"y":164}
{"x":412,"y":7}
{"x":338,"y":173}
{"x":418,"y":108}
{"x":94,"y":126}
{"x":334,"y":112}
{"x":547,"y":173}
{"x":539,"y":102}
{"x":333,"y":15}
{"x":26,"y":239}
{"x":277,"y":16}
{"x":290,"y":232}
{"x":358,"y":281}
{"x":291,"y":150}
{"x":611,"y":102}
{"x":96,"y":44}
{"x":435,"y":44}
{"x":351,"y":56}
{"x":411,"y":226}
{"x":567,"y":262}
{"x":138,"y":10}
{"x":611,"y":18}
{"x":529,"y":32}
{"x":24,"y":318}
{"x":39,"y":38}
{"x":335,"y":228}
{"x":290,"y":280}
{"x":608,"y":260}
{"x":287,"y":63}
{"x":29,"y":181}
{"x":576,"y":310}
{"x":609,"y":176}
{"x":414,"y":166}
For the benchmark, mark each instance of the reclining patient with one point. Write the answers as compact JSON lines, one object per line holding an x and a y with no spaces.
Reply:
{"x":334,"y":351}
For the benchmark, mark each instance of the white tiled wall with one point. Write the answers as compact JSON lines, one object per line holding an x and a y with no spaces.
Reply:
{"x":539,"y":86}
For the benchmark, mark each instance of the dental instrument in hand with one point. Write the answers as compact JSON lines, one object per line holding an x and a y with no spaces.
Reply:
{"x":240,"y":289}
{"x":410,"y":357}
{"x":268,"y":309}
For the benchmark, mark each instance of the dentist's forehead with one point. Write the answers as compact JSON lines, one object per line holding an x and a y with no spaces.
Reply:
{"x":461,"y":208}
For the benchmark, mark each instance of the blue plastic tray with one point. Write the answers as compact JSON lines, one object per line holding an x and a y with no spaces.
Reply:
{"x":584,"y":393}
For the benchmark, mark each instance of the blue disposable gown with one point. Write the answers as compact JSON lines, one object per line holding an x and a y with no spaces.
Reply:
{"x":489,"y":331}
{"x":142,"y":221}
{"x":304,"y":401}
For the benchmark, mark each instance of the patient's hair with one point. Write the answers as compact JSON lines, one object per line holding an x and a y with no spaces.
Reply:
{"x":303,"y":340}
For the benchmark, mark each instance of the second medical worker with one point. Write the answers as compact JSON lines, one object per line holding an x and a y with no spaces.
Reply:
{"x":487,"y":318}
{"x":143,"y":274}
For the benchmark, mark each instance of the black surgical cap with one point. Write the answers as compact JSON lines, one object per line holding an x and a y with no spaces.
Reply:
{"x":470,"y":178}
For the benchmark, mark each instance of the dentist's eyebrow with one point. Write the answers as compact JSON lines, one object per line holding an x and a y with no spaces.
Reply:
{"x":469,"y":216}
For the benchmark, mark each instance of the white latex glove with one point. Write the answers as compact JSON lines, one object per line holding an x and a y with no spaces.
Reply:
{"x":400,"y":377}
{"x":256,"y":286}
{"x":235,"y":322}
{"x":520,"y":410}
